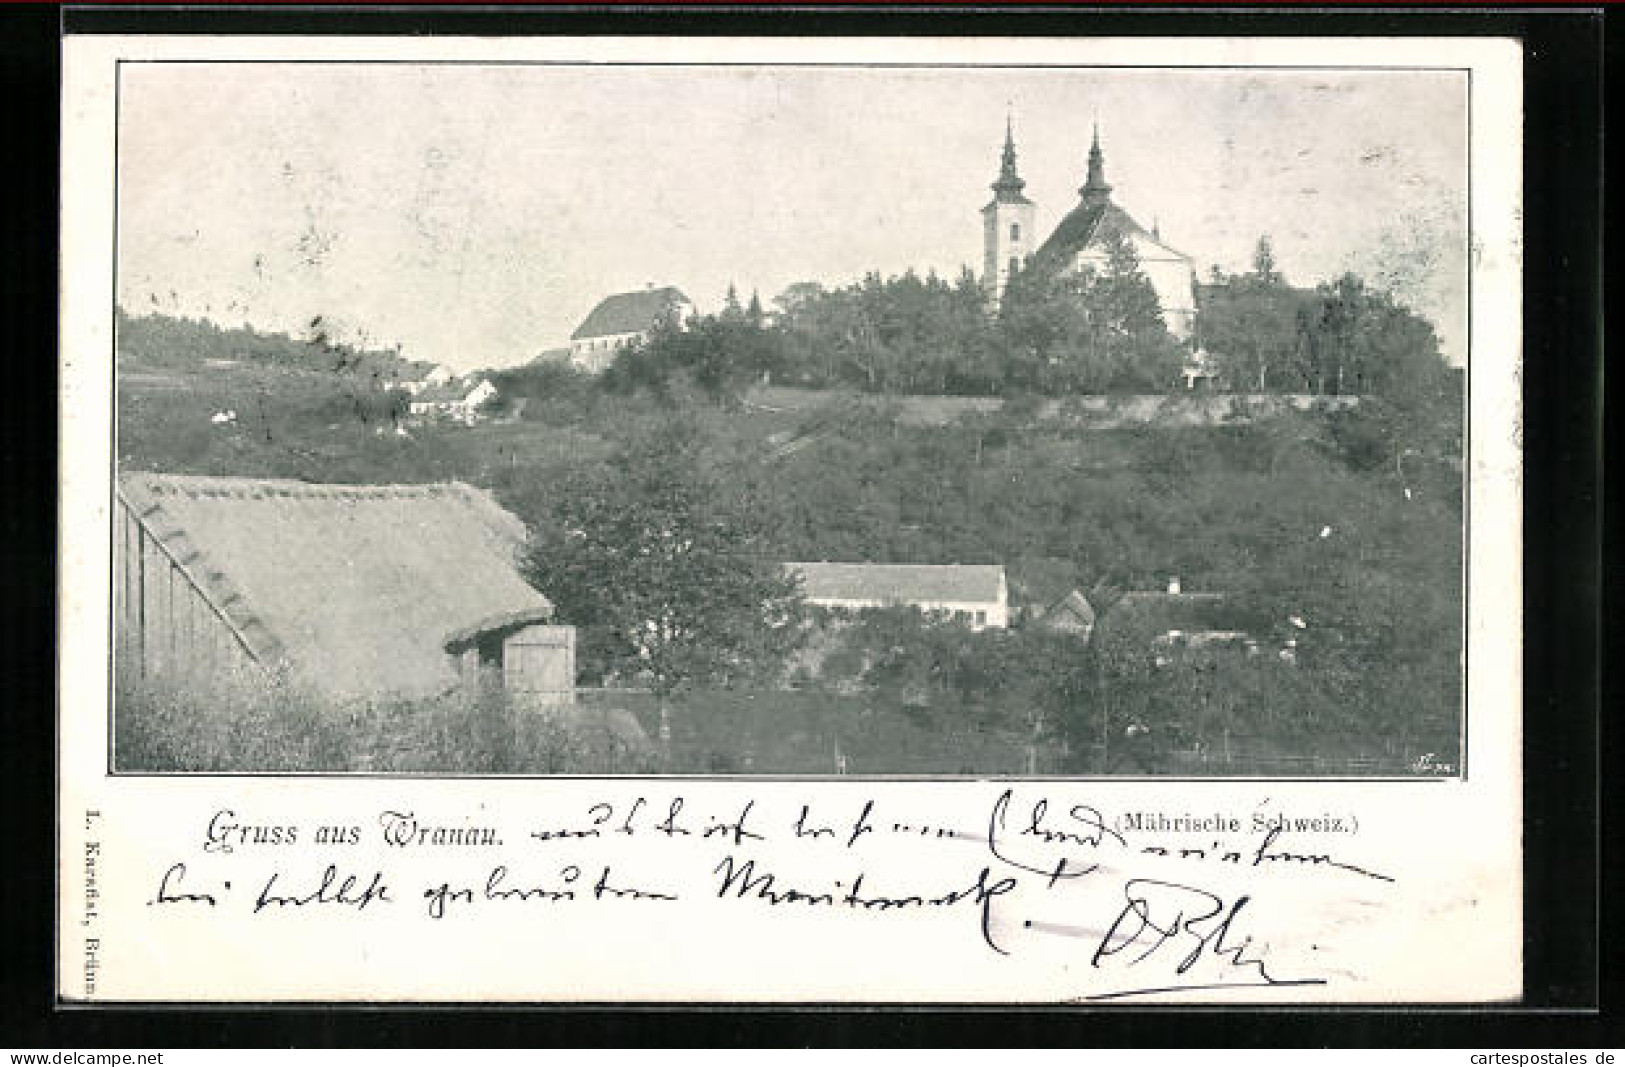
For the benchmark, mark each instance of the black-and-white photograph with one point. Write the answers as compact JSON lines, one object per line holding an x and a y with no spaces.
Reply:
{"x":818,"y":419}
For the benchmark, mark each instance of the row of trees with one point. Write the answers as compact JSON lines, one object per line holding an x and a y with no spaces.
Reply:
{"x":1342,"y":337}
{"x":1054,"y":333}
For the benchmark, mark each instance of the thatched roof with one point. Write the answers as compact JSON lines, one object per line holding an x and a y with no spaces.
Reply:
{"x":355,"y":589}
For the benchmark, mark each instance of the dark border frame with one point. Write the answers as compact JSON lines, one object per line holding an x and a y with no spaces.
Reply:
{"x":1566,"y":585}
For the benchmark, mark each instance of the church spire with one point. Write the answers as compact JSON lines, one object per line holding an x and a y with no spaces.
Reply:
{"x":1095,"y":188}
{"x":1009,"y":186}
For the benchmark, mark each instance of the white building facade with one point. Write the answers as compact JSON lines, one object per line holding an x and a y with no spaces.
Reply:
{"x":623,"y":319}
{"x":975,"y":595}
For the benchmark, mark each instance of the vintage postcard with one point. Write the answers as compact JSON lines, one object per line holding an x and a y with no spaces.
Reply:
{"x":1018,"y":521}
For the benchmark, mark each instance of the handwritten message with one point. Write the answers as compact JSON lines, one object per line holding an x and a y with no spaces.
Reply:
{"x":1139,"y":902}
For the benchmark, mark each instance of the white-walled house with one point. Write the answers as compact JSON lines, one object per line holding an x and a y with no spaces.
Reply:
{"x":622,"y":319}
{"x":439,"y":375}
{"x":458,"y":400}
{"x":974,"y":594}
{"x":477,"y":396}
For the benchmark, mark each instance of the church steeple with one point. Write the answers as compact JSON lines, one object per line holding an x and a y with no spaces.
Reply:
{"x":1008,"y":237}
{"x":1095,"y":187}
{"x":1007,"y":190}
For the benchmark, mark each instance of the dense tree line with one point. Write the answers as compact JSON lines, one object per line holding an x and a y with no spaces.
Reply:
{"x":1053,"y":333}
{"x":1341,"y":337}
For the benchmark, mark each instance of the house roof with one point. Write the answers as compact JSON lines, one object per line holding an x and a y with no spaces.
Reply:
{"x":631,"y":312}
{"x":1074,"y":604}
{"x":903,"y":583}
{"x":355,"y":589}
{"x":453,"y":392}
{"x":1161,"y":611}
{"x":439,"y":394}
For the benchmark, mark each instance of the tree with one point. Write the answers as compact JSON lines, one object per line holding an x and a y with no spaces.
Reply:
{"x":1092,"y":331}
{"x":1041,"y":321}
{"x":731,"y":309}
{"x":660,"y":566}
{"x":1264,"y":262}
{"x":1358,"y":340}
{"x":716,"y":354}
{"x":1131,"y":338}
{"x":1249,"y":324}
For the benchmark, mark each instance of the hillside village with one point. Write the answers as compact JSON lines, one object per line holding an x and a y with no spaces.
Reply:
{"x":1078,"y":512}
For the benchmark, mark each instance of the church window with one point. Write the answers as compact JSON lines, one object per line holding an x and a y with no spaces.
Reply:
{"x":1014,"y":265}
{"x":1015,"y":231}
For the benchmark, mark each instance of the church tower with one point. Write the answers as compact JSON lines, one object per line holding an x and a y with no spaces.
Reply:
{"x":1095,"y":189}
{"x":1007,"y":223}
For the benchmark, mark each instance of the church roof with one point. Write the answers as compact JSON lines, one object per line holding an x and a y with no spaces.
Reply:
{"x":1091,"y":224}
{"x":631,"y":312}
{"x":1095,"y":219}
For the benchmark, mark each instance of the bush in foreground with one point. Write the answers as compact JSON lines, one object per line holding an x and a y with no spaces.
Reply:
{"x":247,"y":728}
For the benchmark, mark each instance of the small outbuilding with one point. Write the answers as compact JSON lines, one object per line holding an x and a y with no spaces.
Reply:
{"x":1175,"y":622}
{"x":353,"y":592}
{"x":1072,"y":614}
{"x":462,"y":401}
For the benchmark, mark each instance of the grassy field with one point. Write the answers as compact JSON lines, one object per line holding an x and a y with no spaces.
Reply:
{"x":315,"y":426}
{"x":796,"y":732}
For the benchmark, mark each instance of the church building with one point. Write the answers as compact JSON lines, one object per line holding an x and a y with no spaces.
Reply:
{"x":1080,"y":241}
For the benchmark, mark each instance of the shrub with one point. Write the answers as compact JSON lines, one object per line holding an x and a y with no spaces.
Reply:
{"x":240,"y":726}
{"x":235,"y":725}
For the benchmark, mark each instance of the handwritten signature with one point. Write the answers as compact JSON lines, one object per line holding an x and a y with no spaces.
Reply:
{"x":1185,"y":936}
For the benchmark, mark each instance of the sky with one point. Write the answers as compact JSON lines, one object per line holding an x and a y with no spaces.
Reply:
{"x":474,"y":214}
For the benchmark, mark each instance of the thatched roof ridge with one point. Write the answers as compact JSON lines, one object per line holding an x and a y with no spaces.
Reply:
{"x":503,"y":620}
